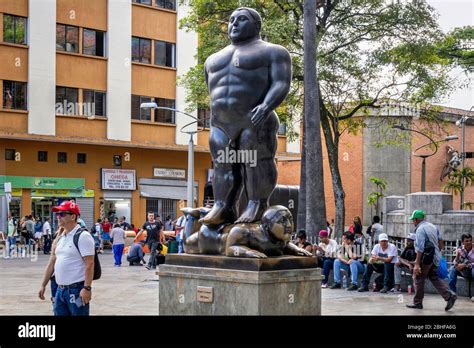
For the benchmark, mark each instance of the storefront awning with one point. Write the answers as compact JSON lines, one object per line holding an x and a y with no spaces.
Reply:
{"x":167,"y":189}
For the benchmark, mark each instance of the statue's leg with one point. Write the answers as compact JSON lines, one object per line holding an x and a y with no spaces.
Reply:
{"x":227,"y":181}
{"x":260,"y":170}
{"x":243,"y":251}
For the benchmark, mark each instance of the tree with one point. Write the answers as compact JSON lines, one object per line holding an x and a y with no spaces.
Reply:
{"x":314,"y":181}
{"x":455,"y":186}
{"x":373,"y":198}
{"x":369,"y":52}
{"x":458,"y":48}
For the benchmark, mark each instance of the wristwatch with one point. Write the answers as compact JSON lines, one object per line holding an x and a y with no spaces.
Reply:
{"x":88,"y":288}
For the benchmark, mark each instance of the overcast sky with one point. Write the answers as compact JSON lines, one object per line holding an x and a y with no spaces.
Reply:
{"x":456,"y":13}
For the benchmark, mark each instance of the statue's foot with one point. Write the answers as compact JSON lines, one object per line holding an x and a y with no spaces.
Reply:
{"x":252,"y":213}
{"x":218,"y":215}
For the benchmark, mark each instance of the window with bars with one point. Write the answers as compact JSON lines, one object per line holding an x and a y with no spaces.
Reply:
{"x":137,"y":112}
{"x":282,"y":129}
{"x":10,"y":154}
{"x":143,"y":2}
{"x":62,"y":157}
{"x":67,"y":101}
{"x":67,"y":38}
{"x":165,"y":116}
{"x":94,"y":103}
{"x":14,"y":29}
{"x":14,"y":95}
{"x":167,"y":4}
{"x":42,"y":156}
{"x":204,"y":116}
{"x":81,"y":158}
{"x":141,"y":50}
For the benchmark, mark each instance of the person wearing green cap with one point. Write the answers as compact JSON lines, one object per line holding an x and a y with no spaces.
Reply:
{"x":427,"y":247}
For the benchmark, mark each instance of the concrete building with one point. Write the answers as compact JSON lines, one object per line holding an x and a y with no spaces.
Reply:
{"x":72,"y":76}
{"x":363,"y":155}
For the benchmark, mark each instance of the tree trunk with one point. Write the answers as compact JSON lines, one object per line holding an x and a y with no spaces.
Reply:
{"x":301,"y":218}
{"x":315,"y":200}
{"x":332,"y":146}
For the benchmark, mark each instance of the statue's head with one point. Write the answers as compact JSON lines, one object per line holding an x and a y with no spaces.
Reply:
{"x":278,"y":221}
{"x":244,"y":23}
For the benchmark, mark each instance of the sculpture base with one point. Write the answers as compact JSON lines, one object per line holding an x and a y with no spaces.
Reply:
{"x":219,"y":285}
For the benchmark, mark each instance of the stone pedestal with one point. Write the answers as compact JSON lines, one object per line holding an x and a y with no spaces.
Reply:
{"x":218,"y":285}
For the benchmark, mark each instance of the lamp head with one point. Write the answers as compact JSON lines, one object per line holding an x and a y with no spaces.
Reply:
{"x":451,"y":137}
{"x":151,"y":105}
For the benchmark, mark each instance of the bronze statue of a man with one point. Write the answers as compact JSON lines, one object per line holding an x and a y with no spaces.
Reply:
{"x":247,"y":80}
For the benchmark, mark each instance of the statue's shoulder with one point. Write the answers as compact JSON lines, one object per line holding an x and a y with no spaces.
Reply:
{"x":219,"y":54}
{"x":274,"y":51}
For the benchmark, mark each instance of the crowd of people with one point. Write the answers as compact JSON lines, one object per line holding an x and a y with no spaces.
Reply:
{"x":29,"y":231}
{"x":359,"y":258}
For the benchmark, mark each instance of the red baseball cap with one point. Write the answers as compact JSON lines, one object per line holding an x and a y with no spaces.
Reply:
{"x":68,"y":206}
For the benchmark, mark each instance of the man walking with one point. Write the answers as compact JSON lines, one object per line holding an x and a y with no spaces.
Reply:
{"x":46,"y":236}
{"x":154,"y":235}
{"x":72,"y":266}
{"x":427,"y":261}
{"x":11,"y":235}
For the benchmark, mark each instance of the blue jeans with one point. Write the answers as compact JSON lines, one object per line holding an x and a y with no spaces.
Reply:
{"x":328,"y":265}
{"x":118,"y":251}
{"x":388,"y":270}
{"x":453,"y":277}
{"x":65,"y":303}
{"x":355,"y":267}
{"x":11,"y":244}
{"x":153,"y":246}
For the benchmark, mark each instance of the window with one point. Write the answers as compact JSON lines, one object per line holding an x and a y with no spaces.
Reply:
{"x":42,"y":156}
{"x":165,"y":54}
{"x":94,"y":103}
{"x":81,"y":158}
{"x":67,"y":38}
{"x":93,"y":42}
{"x":14,"y":95}
{"x":143,"y":2}
{"x":66,"y":101}
{"x":204,"y":116}
{"x":137,"y":112}
{"x":282,"y":129}
{"x":469,"y":154}
{"x":14,"y":29}
{"x":10,"y":154}
{"x":62,"y":157}
{"x":141,"y":50}
{"x":168,"y":4}
{"x":165,"y":116}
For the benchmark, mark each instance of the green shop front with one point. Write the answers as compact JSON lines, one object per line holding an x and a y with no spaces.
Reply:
{"x":37,"y":195}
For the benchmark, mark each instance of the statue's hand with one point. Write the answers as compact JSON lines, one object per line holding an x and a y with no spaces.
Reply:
{"x":304,"y":252}
{"x":260,"y":113}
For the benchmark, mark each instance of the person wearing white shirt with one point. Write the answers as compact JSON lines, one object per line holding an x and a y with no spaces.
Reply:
{"x":382,"y":260}
{"x":326,"y":252}
{"x":71,"y":263}
{"x":46,"y":236}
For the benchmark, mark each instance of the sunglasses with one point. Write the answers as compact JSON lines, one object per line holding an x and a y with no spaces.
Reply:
{"x":62,"y":213}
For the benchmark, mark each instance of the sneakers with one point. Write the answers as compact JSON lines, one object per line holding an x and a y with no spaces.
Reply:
{"x":384,"y":290}
{"x":415,"y":306}
{"x":451,"y":302}
{"x":396,"y":290}
{"x":335,"y":286}
{"x":324,"y":286}
{"x":353,"y":287}
{"x":147,"y":267}
{"x":363,"y":289}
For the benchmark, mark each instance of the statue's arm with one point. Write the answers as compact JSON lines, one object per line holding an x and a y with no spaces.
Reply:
{"x":291,"y":249}
{"x":280,"y":78}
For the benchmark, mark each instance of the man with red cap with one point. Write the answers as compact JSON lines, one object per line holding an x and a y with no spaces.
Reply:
{"x":326,"y":252}
{"x":72,"y":266}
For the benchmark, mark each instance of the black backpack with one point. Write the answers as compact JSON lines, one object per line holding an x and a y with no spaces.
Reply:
{"x":97,"y":268}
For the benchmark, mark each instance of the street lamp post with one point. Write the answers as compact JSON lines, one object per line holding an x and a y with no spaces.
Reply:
{"x":190,"y":181}
{"x":425,"y":156}
{"x":462,"y":123}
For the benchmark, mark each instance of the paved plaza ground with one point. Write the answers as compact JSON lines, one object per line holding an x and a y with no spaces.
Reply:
{"x":134,"y":291}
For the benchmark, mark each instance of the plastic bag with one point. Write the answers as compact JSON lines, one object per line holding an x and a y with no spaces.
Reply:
{"x":443,"y":268}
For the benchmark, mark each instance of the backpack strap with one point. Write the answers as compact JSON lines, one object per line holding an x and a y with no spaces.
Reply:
{"x":76,"y":238}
